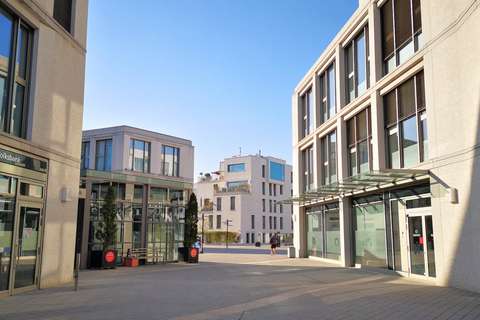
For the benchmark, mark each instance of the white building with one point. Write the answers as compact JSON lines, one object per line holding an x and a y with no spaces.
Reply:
{"x":244,"y":192}
{"x":386,"y":139}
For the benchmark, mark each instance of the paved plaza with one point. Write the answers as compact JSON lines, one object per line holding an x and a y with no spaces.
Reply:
{"x":243,"y":283}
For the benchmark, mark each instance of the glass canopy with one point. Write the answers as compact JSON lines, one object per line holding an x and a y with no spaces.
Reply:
{"x":366,"y":181}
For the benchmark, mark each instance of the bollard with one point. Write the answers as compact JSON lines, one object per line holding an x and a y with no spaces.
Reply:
{"x":76,"y":271}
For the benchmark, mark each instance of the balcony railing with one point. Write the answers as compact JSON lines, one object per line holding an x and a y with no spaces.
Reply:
{"x":244,"y":188}
{"x":206,"y":208}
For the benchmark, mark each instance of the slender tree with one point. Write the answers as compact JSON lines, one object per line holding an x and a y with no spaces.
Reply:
{"x":107,"y":231}
{"x":191,"y":222}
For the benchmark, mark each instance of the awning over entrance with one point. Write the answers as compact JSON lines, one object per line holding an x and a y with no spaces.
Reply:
{"x":363,"y":182}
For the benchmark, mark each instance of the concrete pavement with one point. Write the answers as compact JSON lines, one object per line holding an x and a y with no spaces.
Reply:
{"x":243,"y":283}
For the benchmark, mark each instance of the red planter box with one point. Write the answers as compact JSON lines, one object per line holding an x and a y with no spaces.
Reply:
{"x":130,"y":262}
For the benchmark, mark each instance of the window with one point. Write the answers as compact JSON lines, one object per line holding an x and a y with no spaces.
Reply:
{"x":307,"y":160}
{"x":270,"y":222}
{"x":281,"y":190}
{"x":139,"y":158}
{"x":253,"y":221}
{"x":406,"y":124}
{"x":232,"y":203}
{"x":263,"y":171}
{"x":329,"y":159}
{"x":359,"y":140}
{"x":15,"y":48}
{"x":210,"y":222}
{"x":357,"y":66}
{"x":236,"y":167}
{"x":274,"y":208}
{"x":281,"y":208}
{"x":401,"y":31}
{"x":263,"y":188}
{"x":219,"y":204}
{"x":219,"y":222}
{"x":269,"y":189}
{"x":274,"y":222}
{"x":281,"y":223}
{"x":274,"y":190}
{"x":277,"y":171}
{"x":248,"y":237}
{"x":263,"y":222}
{"x":307,"y":113}
{"x":103,"y":155}
{"x":263,"y":205}
{"x":170,"y":161}
{"x":327,"y":94}
{"x":270,"y":205}
{"x":62,"y":13}
{"x":85,"y":157}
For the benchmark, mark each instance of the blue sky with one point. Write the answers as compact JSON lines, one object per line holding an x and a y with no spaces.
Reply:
{"x":220,"y":73}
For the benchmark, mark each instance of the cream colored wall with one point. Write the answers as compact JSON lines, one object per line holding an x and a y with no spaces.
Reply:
{"x":453,"y":107}
{"x":55,"y":126}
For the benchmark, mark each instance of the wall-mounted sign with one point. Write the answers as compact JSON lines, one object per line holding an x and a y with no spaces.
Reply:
{"x":20,"y":160}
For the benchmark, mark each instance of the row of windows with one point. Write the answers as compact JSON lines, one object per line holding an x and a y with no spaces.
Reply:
{"x":401,"y":37}
{"x":272,"y":189}
{"x":139,"y":157}
{"x":406,"y":138}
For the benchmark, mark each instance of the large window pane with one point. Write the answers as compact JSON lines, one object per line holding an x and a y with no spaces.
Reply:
{"x":331,"y":92}
{"x":369,"y":227}
{"x":363,"y":156}
{"x":332,"y":234}
{"x":17,"y":113}
{"x":333,"y":158}
{"x":410,"y":142}
{"x":361,"y":65}
{"x":393,"y":154}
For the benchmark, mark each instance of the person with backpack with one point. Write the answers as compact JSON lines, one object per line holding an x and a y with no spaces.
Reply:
{"x":273,"y":244}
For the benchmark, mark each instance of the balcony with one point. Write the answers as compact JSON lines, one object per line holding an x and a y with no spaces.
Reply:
{"x":208,"y":208}
{"x":244,"y":188}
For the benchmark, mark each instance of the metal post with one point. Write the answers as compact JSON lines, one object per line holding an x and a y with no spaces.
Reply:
{"x":227,"y":235}
{"x":76,"y":271}
{"x":203,"y":231}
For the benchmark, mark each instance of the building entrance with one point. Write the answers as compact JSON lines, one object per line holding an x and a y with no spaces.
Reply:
{"x":413,"y":237}
{"x":20,"y":232}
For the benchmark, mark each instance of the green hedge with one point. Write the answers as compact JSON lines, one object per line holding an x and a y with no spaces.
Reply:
{"x":220,"y":236}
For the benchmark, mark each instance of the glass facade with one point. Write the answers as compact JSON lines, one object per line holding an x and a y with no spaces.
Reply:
{"x":155,"y":224}
{"x":323,"y":231}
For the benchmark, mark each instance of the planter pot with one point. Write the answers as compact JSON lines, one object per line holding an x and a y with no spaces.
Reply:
{"x":257,"y":244}
{"x":130,"y":262}
{"x":188,"y":255}
{"x":103,"y":259}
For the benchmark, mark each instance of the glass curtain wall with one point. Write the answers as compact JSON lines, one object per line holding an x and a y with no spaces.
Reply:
{"x":323,"y":231}
{"x":369,"y":225}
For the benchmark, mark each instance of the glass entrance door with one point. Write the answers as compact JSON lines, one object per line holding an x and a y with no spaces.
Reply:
{"x":421,"y":246}
{"x":25,"y":254}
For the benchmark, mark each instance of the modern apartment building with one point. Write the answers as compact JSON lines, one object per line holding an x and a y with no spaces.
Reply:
{"x":152,"y":174}
{"x":244,"y":192}
{"x":42,"y":74}
{"x":386,"y":138}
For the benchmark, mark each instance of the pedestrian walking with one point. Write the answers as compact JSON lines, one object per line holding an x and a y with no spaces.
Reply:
{"x":273,"y":244}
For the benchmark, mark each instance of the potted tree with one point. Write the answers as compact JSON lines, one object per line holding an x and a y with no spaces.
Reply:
{"x":106,"y":234}
{"x":189,"y":253}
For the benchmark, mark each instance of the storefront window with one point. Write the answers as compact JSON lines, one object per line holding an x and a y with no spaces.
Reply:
{"x":369,"y":227}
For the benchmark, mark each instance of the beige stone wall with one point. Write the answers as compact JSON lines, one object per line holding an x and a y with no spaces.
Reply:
{"x":55,"y":125}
